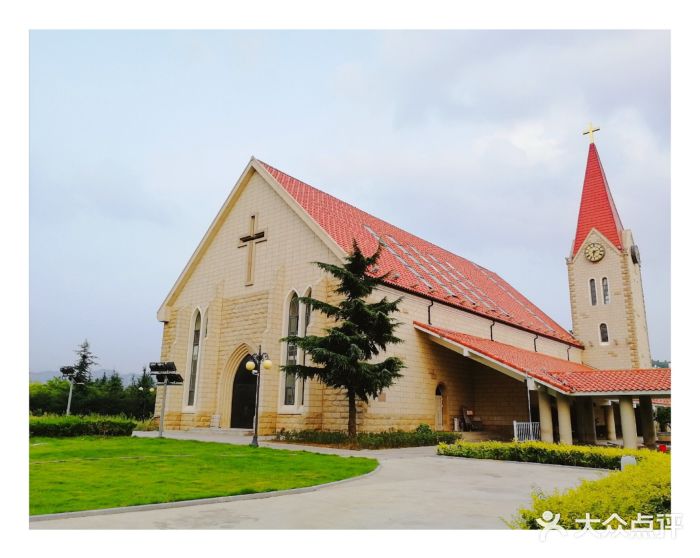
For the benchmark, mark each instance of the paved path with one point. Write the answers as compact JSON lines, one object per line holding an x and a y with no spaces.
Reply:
{"x":413,"y":489}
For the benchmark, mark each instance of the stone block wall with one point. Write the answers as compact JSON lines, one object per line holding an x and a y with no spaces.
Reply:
{"x":240,"y":317}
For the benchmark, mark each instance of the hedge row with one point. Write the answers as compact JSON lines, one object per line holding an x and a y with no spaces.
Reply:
{"x":63,"y":426}
{"x":644,"y":489}
{"x":542,"y":452}
{"x":422,"y":436}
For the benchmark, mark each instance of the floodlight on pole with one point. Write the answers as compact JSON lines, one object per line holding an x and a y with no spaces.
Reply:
{"x":166,"y":374}
{"x":68,"y":372}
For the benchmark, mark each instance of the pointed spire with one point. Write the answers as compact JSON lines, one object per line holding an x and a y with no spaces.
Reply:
{"x":597,"y":205}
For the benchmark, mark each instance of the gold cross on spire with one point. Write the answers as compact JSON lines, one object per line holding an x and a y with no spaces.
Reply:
{"x":590,"y":130}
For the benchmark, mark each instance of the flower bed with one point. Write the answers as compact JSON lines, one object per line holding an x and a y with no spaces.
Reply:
{"x":542,"y":452}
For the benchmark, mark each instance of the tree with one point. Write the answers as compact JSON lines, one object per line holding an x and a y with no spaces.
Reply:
{"x":342,"y":356}
{"x":663,"y":417}
{"x":49,"y":397}
{"x":86,"y":360}
{"x":140,"y":396}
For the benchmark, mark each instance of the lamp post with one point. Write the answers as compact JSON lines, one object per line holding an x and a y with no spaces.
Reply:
{"x":166,"y":374}
{"x":253,"y":365}
{"x":68,"y":372}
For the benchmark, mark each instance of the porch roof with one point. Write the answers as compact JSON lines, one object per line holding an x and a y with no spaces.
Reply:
{"x":572,"y":378}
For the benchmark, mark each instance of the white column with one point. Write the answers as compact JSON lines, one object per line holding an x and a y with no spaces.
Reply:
{"x":564,"y":416}
{"x":546,"y":424}
{"x":589,"y":433}
{"x":629,"y":425}
{"x":647,"y":415}
{"x":610,"y":421}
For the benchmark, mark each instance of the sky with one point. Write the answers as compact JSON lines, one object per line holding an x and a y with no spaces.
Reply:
{"x":469,"y":139}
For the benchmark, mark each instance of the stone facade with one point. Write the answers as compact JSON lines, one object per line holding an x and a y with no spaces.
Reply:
{"x":624,"y":315}
{"x":238,"y":317}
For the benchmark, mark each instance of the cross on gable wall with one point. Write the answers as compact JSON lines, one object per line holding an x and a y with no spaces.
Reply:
{"x":250,"y":240}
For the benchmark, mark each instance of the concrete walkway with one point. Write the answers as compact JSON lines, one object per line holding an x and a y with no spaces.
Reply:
{"x":413,"y":489}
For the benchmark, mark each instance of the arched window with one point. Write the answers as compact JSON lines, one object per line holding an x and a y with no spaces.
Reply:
{"x":292,"y":329}
{"x":307,"y":312}
{"x":606,"y":291}
{"x":305,"y":331}
{"x":604,"y":333}
{"x":594,"y":294}
{"x":195,"y":358}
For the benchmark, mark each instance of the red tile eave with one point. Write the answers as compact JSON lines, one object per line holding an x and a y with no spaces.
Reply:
{"x":653,"y":380}
{"x":569,"y":377}
{"x":344,"y":222}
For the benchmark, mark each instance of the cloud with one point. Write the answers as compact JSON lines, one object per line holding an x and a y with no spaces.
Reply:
{"x":470,"y":139}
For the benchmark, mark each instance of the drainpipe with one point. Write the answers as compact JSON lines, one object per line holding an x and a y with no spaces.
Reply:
{"x":493,"y":323}
{"x":535,"y":341}
{"x":568,"y":348}
{"x":429,"y":307}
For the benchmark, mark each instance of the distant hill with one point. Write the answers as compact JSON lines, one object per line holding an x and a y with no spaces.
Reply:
{"x":45,"y":376}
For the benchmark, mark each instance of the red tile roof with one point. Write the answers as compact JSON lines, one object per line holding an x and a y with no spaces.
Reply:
{"x":597,"y":208}
{"x":419,"y":267}
{"x":567,"y":376}
{"x":641,"y":379}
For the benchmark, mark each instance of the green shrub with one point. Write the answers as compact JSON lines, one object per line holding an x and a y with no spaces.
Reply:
{"x":422,"y":436}
{"x":644,"y":489}
{"x":542,"y":452}
{"x":423,"y":429}
{"x":63,"y":426}
{"x":146,"y":425}
{"x":314,"y":436}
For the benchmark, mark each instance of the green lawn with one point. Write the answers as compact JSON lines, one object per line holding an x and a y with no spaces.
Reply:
{"x":72,"y":474}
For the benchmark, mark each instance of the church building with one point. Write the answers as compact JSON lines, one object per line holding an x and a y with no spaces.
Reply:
{"x":476,"y":350}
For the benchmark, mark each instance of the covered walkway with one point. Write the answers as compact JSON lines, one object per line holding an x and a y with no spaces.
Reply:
{"x":567,"y":391}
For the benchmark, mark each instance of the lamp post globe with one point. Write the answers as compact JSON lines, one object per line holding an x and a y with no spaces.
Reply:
{"x":255,"y":364}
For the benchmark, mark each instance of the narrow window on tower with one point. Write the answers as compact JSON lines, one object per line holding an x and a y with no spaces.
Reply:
{"x":594,"y":294}
{"x":292,"y":329}
{"x":195,"y":359}
{"x":604,"y":333}
{"x":606,"y":291}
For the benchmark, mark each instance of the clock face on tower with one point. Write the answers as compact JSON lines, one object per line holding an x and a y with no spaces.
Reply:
{"x":594,"y":252}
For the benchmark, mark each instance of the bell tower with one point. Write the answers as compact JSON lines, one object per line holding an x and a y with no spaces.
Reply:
{"x":605,"y":279}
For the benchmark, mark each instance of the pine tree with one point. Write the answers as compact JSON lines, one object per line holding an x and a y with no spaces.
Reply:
{"x":86,"y":360}
{"x":343,"y":357}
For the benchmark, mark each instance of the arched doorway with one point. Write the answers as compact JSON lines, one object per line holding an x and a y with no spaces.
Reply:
{"x":243,"y":397}
{"x":439,"y":407}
